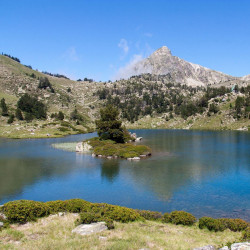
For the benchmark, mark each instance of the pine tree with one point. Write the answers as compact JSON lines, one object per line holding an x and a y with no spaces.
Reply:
{"x":19,"y":114}
{"x":109,"y":126}
{"x":4,"y":107}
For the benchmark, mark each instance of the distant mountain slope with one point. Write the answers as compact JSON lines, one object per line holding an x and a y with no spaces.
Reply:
{"x":162,"y":62}
{"x":246,"y":78}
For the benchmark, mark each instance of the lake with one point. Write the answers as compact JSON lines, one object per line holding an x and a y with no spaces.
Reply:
{"x":202,"y":172}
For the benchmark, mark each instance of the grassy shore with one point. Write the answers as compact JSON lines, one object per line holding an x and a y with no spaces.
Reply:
{"x":54,"y":232}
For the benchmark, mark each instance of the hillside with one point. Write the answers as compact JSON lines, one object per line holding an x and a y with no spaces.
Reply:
{"x":145,"y":101}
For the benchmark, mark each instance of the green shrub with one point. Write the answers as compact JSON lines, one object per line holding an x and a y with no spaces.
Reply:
{"x":166,"y":218}
{"x":23,"y":211}
{"x":181,"y":217}
{"x":88,"y":217}
{"x":222,"y":224}
{"x":212,"y":224}
{"x":246,"y":234}
{"x":56,"y":206}
{"x":92,"y":217}
{"x":76,"y":205}
{"x":235,"y":224}
{"x":116,"y":213}
{"x":149,"y":215}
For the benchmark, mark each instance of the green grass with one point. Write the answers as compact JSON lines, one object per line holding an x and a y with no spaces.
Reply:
{"x":123,"y":150}
{"x":54,"y":232}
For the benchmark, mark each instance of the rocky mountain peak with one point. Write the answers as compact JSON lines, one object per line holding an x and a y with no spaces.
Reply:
{"x":163,"y":51}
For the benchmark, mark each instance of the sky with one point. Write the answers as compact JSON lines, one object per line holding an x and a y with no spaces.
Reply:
{"x":97,"y":38}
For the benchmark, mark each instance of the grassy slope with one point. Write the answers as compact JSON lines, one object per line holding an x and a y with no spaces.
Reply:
{"x":54,"y":232}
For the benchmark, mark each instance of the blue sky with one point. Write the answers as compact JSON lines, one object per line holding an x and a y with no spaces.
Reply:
{"x":96,"y":38}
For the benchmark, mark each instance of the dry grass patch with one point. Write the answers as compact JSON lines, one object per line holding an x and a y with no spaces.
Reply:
{"x":54,"y":232}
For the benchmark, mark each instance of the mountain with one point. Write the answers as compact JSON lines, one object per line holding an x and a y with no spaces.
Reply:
{"x":246,"y":78}
{"x":162,"y":62}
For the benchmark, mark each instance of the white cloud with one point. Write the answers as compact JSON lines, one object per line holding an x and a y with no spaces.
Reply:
{"x":71,"y":54}
{"x":128,"y":70}
{"x":123,"y":44}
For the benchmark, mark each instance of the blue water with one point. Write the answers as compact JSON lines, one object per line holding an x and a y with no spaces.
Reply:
{"x":202,"y":172}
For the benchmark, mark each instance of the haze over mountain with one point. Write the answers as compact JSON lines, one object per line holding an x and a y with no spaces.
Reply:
{"x":162,"y":62}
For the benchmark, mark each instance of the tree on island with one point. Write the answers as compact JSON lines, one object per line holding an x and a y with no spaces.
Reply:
{"x":109,"y":127}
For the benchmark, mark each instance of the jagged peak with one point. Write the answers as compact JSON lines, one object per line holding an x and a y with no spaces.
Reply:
{"x":164,"y":50}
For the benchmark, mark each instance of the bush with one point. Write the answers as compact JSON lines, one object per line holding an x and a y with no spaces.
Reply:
{"x":222,"y":224}
{"x":56,"y":206}
{"x":92,"y":217}
{"x":76,"y":205}
{"x":236,"y":224}
{"x":211,"y":224}
{"x":149,"y":215}
{"x":179,"y":217}
{"x":116,"y":213}
{"x":23,"y":211}
{"x":246,"y":234}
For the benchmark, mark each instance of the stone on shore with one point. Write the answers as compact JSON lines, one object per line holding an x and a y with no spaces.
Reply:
{"x":83,"y":147}
{"x":86,"y":229}
{"x":241,"y":246}
{"x":209,"y":247}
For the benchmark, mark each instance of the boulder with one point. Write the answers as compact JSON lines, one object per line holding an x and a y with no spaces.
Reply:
{"x":86,"y":229}
{"x":138,"y":139}
{"x":241,"y":246}
{"x":1,"y":224}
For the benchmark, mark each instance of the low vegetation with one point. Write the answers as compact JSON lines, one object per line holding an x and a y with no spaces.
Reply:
{"x":123,"y":150}
{"x":133,"y":229}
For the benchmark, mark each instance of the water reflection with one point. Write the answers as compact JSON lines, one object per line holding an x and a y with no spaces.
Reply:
{"x":110,"y":169}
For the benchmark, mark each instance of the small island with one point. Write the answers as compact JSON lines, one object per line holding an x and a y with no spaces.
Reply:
{"x":114,"y":140}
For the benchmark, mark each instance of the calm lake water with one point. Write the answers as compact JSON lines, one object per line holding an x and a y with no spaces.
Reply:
{"x":205,"y":173}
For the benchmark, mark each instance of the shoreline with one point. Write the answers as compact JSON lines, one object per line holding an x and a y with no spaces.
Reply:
{"x":14,"y":136}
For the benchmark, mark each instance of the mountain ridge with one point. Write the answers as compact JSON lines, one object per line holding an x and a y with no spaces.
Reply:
{"x":162,"y":62}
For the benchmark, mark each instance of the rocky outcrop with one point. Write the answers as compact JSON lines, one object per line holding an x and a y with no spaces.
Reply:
{"x":83,"y":147}
{"x":92,"y":228}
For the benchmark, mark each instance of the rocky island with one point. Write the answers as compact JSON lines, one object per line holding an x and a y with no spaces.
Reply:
{"x":114,"y":141}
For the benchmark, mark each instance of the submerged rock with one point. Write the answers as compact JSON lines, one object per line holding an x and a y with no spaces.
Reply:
{"x":87,"y":229}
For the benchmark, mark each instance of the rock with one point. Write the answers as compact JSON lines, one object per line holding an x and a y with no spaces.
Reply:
{"x":209,"y":247}
{"x":109,"y":157}
{"x":79,"y":147}
{"x":224,"y":248}
{"x":83,"y":147}
{"x":241,"y":246}
{"x":93,"y":155}
{"x":136,"y":158}
{"x":87,"y":229}
{"x":100,"y":156}
{"x":3,"y":216}
{"x":61,"y":214}
{"x":138,"y":139}
{"x":1,"y":224}
{"x":143,"y":156}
